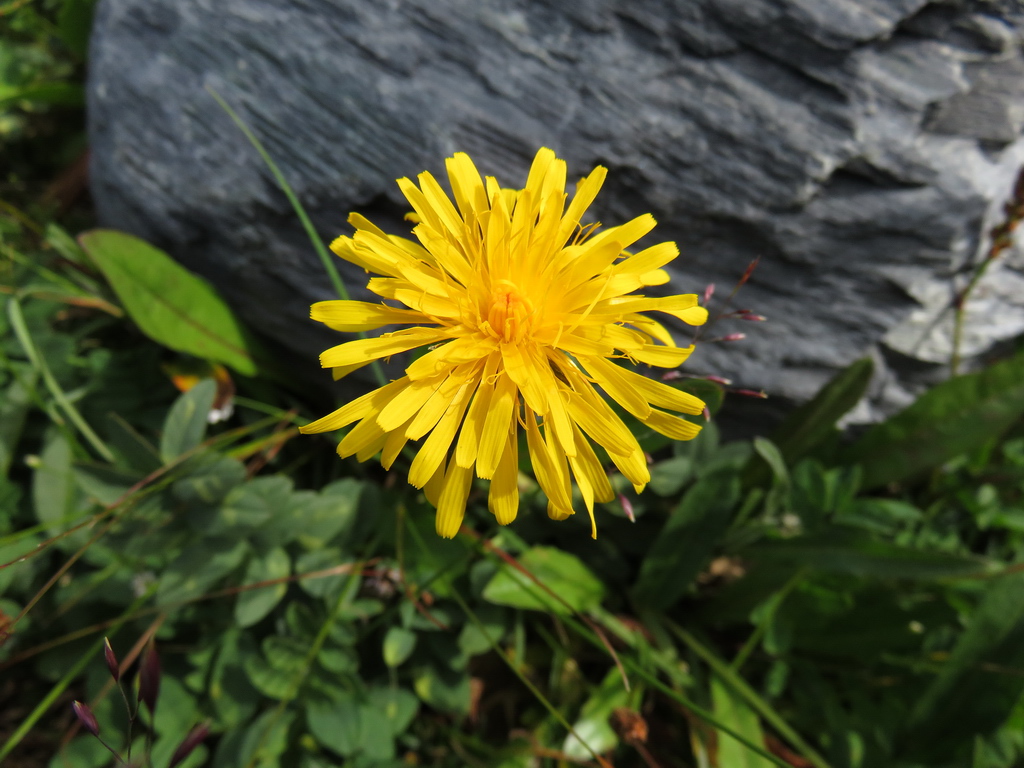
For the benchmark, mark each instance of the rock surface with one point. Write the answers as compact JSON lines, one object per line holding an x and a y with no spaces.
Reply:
{"x":860,"y":148}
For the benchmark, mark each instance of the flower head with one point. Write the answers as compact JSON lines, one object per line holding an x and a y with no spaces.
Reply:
{"x":522,"y":309}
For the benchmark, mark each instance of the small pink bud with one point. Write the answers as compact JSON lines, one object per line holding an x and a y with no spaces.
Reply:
{"x":111,"y":659}
{"x":719,"y":380}
{"x":627,"y":507}
{"x":753,"y":318}
{"x":709,"y":292}
{"x":86,"y":717}
{"x":671,"y":376}
{"x":750,"y":393}
{"x":707,"y":414}
{"x":195,"y":737}
{"x":731,"y":337}
{"x":149,"y":677}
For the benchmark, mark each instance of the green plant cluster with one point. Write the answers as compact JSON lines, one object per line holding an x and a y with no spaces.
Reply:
{"x":802,"y":600}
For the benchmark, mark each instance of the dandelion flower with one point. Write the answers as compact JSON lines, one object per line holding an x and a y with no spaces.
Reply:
{"x":523,"y":310}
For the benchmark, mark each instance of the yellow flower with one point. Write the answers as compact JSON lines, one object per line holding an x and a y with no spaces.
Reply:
{"x":522,"y":308}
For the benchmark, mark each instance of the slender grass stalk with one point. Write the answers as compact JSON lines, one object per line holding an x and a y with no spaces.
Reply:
{"x":307,"y":224}
{"x":672,"y":673}
{"x":17,"y":319}
{"x":743,"y":689}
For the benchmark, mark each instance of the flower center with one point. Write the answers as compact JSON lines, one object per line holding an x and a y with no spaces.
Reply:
{"x":510,"y":315}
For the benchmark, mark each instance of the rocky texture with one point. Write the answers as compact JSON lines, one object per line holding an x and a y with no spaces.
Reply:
{"x":858,"y":147}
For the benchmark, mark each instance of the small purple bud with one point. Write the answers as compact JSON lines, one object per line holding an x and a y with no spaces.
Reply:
{"x":149,"y":677}
{"x":732,"y":337}
{"x":627,"y":507}
{"x":709,"y":292}
{"x":111,"y":659}
{"x":195,"y":737}
{"x":750,"y":316}
{"x":86,"y":717}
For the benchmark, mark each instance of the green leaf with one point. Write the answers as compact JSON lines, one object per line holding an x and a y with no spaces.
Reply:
{"x":687,"y":541}
{"x":956,"y":417}
{"x":395,"y":706}
{"x":562,"y":573}
{"x":768,"y":451}
{"x":198,"y":568}
{"x":74,"y":23}
{"x":854,"y":553}
{"x":734,"y":712}
{"x":48,"y":93}
{"x":593,"y":727}
{"x":186,"y":422}
{"x":14,"y":408}
{"x":398,"y":645}
{"x":54,"y":492}
{"x":337,"y":725}
{"x":979,"y":686}
{"x":812,"y":422}
{"x":170,"y":304}
{"x":254,"y":604}
{"x":443,"y":689}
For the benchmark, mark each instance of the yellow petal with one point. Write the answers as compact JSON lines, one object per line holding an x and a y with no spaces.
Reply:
{"x":503,"y":499}
{"x":672,"y":426}
{"x":404,"y":405}
{"x":359,"y":408}
{"x":451,"y":506}
{"x":435,"y":448}
{"x":496,"y":425}
{"x":473,"y":426}
{"x":663,"y":357}
{"x":354,"y":316}
{"x":389,"y":344}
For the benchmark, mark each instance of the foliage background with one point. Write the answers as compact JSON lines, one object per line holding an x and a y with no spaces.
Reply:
{"x":809,"y":598}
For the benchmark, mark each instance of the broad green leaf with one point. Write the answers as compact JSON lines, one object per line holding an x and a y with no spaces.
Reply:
{"x":562,"y":573}
{"x":812,"y":422}
{"x":841,"y":551}
{"x":399,"y":643}
{"x":337,"y":725}
{"x":198,"y":568}
{"x":170,"y":304}
{"x":54,"y":492}
{"x":442,"y":689}
{"x":395,"y":706}
{"x":186,"y":422}
{"x":260,"y":746}
{"x":734,"y":712}
{"x":593,"y":726}
{"x":685,"y":544}
{"x":954,"y":418}
{"x":14,"y":407}
{"x":250,"y":505}
{"x":74,"y":23}
{"x":768,"y":451}
{"x":254,"y":604}
{"x":975,"y":692}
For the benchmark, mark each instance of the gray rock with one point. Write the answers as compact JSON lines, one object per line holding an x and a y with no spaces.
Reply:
{"x":858,"y":147}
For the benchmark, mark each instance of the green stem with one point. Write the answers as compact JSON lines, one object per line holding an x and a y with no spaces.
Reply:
{"x":25,"y":339}
{"x":307,"y":224}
